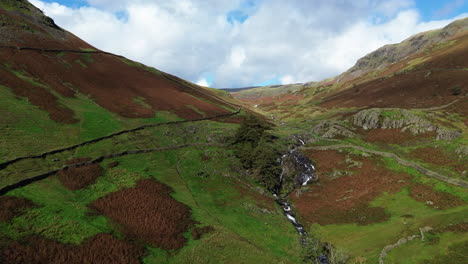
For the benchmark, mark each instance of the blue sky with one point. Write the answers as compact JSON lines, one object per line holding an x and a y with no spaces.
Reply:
{"x":437,"y":9}
{"x":240,"y":43}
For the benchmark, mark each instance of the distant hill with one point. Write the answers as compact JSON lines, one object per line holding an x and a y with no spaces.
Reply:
{"x":234,"y":90}
{"x":379,"y":63}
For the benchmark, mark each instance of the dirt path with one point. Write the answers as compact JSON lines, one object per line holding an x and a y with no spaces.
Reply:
{"x":28,"y":181}
{"x":401,"y":161}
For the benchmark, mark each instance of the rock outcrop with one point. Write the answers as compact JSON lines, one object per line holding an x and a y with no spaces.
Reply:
{"x":393,"y":118}
{"x":407,"y":120}
{"x":331,"y":129}
{"x":444,"y":133}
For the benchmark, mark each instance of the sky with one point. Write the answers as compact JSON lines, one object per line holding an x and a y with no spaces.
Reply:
{"x":240,"y":43}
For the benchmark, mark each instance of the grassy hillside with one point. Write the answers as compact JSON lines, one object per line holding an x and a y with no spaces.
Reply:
{"x":85,"y":186}
{"x":389,"y":142}
{"x":106,"y":160}
{"x":244,"y":225}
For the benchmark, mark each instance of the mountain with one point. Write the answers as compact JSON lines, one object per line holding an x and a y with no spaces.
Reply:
{"x":388,"y":139}
{"x":396,"y":52}
{"x":106,"y":160}
{"x":384,"y":61}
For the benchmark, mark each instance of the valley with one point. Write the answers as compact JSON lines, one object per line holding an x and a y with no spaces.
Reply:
{"x":106,"y":160}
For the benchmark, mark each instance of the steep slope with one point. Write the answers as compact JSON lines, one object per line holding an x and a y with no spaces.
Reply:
{"x":105,"y":160}
{"x":70,"y":83}
{"x":431,"y":78}
{"x":396,"y":52}
{"x":68,"y":66}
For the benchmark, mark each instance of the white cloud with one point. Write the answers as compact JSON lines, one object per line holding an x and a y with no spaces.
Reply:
{"x":203,"y":82}
{"x":292,"y":41}
{"x":287,"y":79}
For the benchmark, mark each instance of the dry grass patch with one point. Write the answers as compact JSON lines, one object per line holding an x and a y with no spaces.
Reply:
{"x":102,"y":249}
{"x":148,"y":213}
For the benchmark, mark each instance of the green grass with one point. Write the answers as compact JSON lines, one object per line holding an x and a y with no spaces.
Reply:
{"x":141,"y":66}
{"x":15,"y":5}
{"x":87,"y":57}
{"x":198,"y":111}
{"x":418,"y":251}
{"x":368,"y":241}
{"x":392,"y":114}
{"x":214,"y":201}
{"x":142,"y":101}
{"x":23,"y":122}
{"x":82,"y":64}
{"x":88,"y":49}
{"x":242,"y":232}
{"x":418,"y":177}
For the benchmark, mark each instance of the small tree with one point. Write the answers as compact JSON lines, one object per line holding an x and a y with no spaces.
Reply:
{"x":267,"y":165}
{"x":251,"y":131}
{"x":255,"y":149}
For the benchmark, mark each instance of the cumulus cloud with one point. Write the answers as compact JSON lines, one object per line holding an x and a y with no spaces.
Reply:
{"x":203,"y":82}
{"x":242,"y":42}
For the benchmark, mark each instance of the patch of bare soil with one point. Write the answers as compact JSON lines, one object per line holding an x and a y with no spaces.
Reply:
{"x":11,"y":206}
{"x":80,"y":177}
{"x":148,"y":213}
{"x":433,"y":198}
{"x":102,"y":249}
{"x":346,"y":199}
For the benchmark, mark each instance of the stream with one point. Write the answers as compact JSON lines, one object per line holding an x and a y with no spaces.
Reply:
{"x":306,"y":173}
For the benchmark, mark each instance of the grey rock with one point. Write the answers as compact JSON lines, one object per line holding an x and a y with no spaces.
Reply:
{"x":444,"y":133}
{"x":462,"y":151}
{"x":398,"y":118}
{"x":331,"y":129}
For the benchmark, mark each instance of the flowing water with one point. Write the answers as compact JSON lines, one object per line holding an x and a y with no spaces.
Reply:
{"x":306,"y":173}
